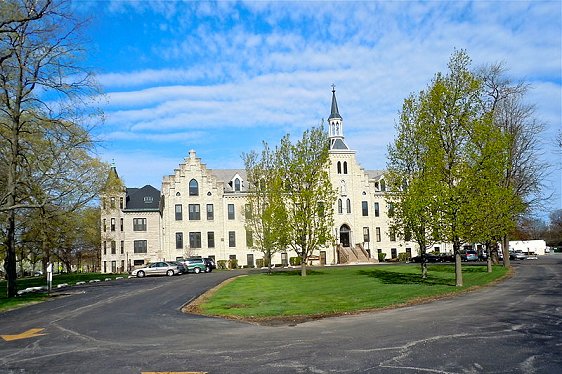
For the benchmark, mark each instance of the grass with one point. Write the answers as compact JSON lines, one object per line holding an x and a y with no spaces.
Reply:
{"x":332,"y":291}
{"x":30,"y":298}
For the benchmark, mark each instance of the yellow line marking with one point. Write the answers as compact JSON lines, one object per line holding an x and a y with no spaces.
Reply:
{"x":24,"y":335}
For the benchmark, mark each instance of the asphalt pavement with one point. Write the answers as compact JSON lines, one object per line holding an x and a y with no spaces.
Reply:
{"x":136,"y":326}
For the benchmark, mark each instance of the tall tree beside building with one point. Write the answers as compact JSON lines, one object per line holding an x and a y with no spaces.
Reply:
{"x":45,"y":112}
{"x":266,"y":214}
{"x":308,"y":192}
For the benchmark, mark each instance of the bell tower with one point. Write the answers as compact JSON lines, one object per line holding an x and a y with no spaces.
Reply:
{"x":335,"y":125}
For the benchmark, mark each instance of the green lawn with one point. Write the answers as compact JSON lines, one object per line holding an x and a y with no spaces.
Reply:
{"x":23,"y":283}
{"x":338,"y":290}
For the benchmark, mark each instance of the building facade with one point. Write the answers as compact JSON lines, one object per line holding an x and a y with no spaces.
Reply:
{"x":200,"y":212}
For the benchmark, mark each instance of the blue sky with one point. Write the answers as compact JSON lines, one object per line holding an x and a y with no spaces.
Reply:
{"x":221,"y":77}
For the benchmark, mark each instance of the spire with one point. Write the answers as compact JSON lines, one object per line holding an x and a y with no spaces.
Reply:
{"x":335,"y":112}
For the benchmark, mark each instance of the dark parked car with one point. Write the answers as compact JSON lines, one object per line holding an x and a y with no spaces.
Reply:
{"x":210,"y":263}
{"x":429,"y":257}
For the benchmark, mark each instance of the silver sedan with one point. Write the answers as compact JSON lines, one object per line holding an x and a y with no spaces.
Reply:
{"x":157,"y":268}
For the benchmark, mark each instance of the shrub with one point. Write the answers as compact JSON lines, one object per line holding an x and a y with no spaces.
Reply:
{"x":382,"y":256}
{"x":233,"y":263}
{"x":403,"y":257}
{"x":221,"y":264}
{"x":295,"y":261}
{"x":259,"y":263}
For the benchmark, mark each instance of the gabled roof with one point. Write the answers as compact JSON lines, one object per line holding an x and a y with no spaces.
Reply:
{"x":145,"y":198}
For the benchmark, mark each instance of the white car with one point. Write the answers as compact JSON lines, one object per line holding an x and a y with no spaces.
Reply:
{"x":157,"y":268}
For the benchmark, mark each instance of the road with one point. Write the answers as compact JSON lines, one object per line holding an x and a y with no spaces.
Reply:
{"x":136,"y":326}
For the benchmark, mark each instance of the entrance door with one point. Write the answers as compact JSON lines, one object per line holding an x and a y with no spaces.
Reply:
{"x":322,"y":258}
{"x":344,"y":235}
{"x":250,"y":260}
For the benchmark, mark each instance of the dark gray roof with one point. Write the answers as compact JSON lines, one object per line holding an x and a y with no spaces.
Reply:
{"x":334,"y":113}
{"x":145,"y":198}
{"x":338,"y":144}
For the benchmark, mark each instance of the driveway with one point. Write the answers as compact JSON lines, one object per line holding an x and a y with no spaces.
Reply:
{"x":135,"y":326}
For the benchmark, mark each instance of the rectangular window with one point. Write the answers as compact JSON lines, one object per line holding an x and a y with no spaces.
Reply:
{"x":390,"y":209}
{"x":365,"y":208}
{"x":114,"y":266}
{"x":194,"y":240}
{"x":139,"y":246}
{"x":138,"y":262}
{"x":392,"y":234}
{"x":139,"y":224}
{"x":366,"y":234}
{"x":249,"y":238}
{"x":121,"y":224}
{"x":248,"y":211}
{"x":231,"y":239}
{"x":378,"y":233}
{"x":113,"y":224}
{"x":230,"y":211}
{"x":104,"y":225}
{"x":122,"y":266}
{"x":104,"y":247}
{"x":112,"y":202}
{"x":120,"y":203}
{"x":377,"y":211}
{"x":393,"y":253}
{"x":179,"y":240}
{"x":194,"y":212}
{"x":179,"y":213}
{"x":211,"y":239}
{"x":122,"y":246}
{"x":210,"y":212}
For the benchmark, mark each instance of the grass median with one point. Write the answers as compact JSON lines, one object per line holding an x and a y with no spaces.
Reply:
{"x":336,"y":290}
{"x":58,"y":279}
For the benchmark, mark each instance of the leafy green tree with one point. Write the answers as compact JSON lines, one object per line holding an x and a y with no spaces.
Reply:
{"x":308,"y":193}
{"x":44,"y":107}
{"x":266,"y":214}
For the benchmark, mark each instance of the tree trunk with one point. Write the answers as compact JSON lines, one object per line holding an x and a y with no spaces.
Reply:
{"x":424,"y":268}
{"x":458,"y":264}
{"x":505,"y":251}
{"x":10,"y":262}
{"x":303,"y":267}
{"x":488,"y":259}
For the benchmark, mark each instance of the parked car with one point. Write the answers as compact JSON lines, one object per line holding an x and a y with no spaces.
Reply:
{"x":210,"y":264}
{"x":195,"y":265}
{"x":470,"y":255}
{"x":181,"y":267}
{"x":517,"y":256}
{"x":157,"y":268}
{"x":429,"y":257}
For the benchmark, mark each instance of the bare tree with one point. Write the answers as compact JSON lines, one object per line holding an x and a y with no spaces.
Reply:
{"x":44,"y":107}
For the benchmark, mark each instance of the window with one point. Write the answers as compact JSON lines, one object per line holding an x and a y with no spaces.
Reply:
{"x":138,"y":262}
{"x":210,"y":212}
{"x":194,"y":240}
{"x":179,"y":240}
{"x":249,"y":238}
{"x":393,"y":252}
{"x":340,"y":206}
{"x":113,"y":247}
{"x":121,"y":224}
{"x":104,"y":247}
{"x":194,"y":213}
{"x":345,"y":167}
{"x":339,"y":167}
{"x":366,"y":234}
{"x":236,"y":184}
{"x":139,"y":224}
{"x":122,"y":246}
{"x":436,"y":249}
{"x":113,"y":224}
{"x":409,"y":252}
{"x":104,"y":225}
{"x":378,"y":233}
{"x":139,"y":246}
{"x":193,"y":188}
{"x":348,"y":206}
{"x":248,"y":211}
{"x":392,"y":234}
{"x":148,"y":199}
{"x":365,"y":208}
{"x":390,"y":209}
{"x":179,"y":213}
{"x":211,"y":239}
{"x":231,"y":239}
{"x":112,"y":202}
{"x":383,"y":185}
{"x":122,"y":265}
{"x":230,"y":211}
{"x":377,"y":211}
{"x":120,"y":203}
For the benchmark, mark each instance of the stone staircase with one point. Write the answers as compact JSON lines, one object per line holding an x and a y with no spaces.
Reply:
{"x":354,"y":255}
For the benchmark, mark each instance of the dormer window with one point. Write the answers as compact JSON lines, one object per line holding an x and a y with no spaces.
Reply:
{"x":236,"y":184}
{"x":148,"y":199}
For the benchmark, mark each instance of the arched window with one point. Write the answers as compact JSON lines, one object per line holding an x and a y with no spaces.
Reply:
{"x":340,"y":206}
{"x":345,"y":167}
{"x":339,"y":167}
{"x":348,"y":206}
{"x":383,"y":185}
{"x":237,"y":184}
{"x":193,"y":188}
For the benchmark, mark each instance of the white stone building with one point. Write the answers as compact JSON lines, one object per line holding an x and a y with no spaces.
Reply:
{"x":200,"y":212}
